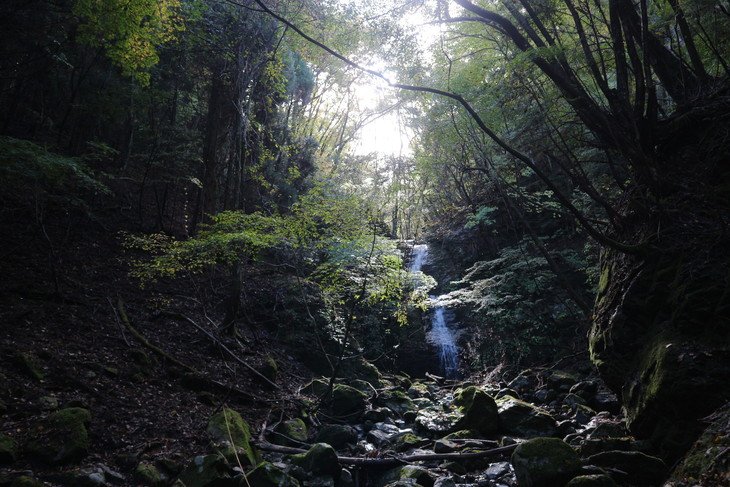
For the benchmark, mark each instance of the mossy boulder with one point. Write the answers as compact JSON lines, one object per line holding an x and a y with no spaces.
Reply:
{"x":320,"y":459}
{"x":599,"y":480}
{"x":206,"y":471}
{"x":9,"y":450}
{"x":409,"y":441}
{"x":407,"y":474}
{"x":61,"y":438}
{"x":233,"y":436}
{"x":479,"y":410}
{"x":29,"y":367}
{"x":267,"y":475}
{"x":292,"y":432}
{"x":520,"y":418}
{"x":269,"y":368}
{"x":316,"y":387}
{"x":336,"y":435}
{"x":397,"y":401}
{"x":640,"y":469}
{"x":347,"y":402}
{"x":148,"y":475}
{"x":545,"y":462}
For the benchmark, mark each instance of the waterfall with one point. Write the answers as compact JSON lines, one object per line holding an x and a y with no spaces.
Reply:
{"x":440,"y":335}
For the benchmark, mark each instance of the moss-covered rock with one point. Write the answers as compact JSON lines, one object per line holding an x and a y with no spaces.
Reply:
{"x":409,"y":441}
{"x":599,"y":480}
{"x":407,"y":474}
{"x":9,"y":450}
{"x":28,"y":366}
{"x":522,"y":419}
{"x":348,"y":402}
{"x":479,"y":410}
{"x":320,"y":459}
{"x":149,"y":475}
{"x":545,"y":462}
{"x":205,"y":471}
{"x":292,"y":432}
{"x":397,"y":401}
{"x":640,"y":469}
{"x":316,"y":387}
{"x":336,"y":435}
{"x":267,"y":475}
{"x":269,"y":368}
{"x":26,"y":481}
{"x":61,"y":438}
{"x":233,"y":435}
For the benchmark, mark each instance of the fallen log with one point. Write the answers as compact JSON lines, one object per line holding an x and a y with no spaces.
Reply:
{"x":390,"y":461}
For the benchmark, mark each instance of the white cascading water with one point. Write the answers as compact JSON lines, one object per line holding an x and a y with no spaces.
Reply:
{"x":440,"y":335}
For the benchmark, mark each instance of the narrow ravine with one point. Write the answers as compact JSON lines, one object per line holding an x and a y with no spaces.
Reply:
{"x":441,"y":336}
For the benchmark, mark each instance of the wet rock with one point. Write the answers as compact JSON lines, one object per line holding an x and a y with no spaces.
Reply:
{"x":8,"y":450}
{"x":233,"y":436}
{"x":336,"y":435}
{"x":522,"y":419}
{"x":267,"y":475}
{"x":438,"y":421}
{"x":61,"y":438}
{"x":445,"y":446}
{"x":206,"y":471}
{"x":292,"y":432}
{"x":599,"y":480}
{"x":544,"y":462}
{"x":479,"y":410}
{"x":497,"y":470}
{"x":320,"y":459}
{"x":419,"y":389}
{"x":608,"y":429}
{"x":640,"y":469}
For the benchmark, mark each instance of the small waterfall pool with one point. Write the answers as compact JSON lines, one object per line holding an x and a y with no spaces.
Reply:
{"x":440,"y":335}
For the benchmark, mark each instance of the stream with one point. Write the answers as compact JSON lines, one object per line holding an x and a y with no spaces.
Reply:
{"x":440,"y":335}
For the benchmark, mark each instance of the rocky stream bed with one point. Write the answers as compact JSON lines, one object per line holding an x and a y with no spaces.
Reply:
{"x":543,"y":428}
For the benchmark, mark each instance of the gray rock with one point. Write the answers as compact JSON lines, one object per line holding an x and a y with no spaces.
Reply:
{"x":544,"y":462}
{"x":522,"y":419}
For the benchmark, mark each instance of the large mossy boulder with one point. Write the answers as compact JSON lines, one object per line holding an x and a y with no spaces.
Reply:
{"x":545,"y":462}
{"x":347,"y":402}
{"x":659,"y":340}
{"x":320,"y":459}
{"x":292,"y":432}
{"x":267,"y":475}
{"x":232,"y":436}
{"x":523,"y":419}
{"x":61,"y":438}
{"x":479,"y":409}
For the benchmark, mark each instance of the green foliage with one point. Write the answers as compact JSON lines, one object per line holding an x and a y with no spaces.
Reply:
{"x":131,"y":31}
{"x":517,"y":307}
{"x":28,"y":170}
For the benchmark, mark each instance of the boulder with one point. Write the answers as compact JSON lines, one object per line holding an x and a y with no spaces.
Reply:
{"x":561,"y":381}
{"x":292,"y":432}
{"x":269,"y":369}
{"x":409,"y":441}
{"x":320,"y":459}
{"x":640,"y":469}
{"x":479,"y":410}
{"x":61,"y":438}
{"x":233,"y":436}
{"x":336,"y":435}
{"x":267,"y":475}
{"x":348,"y":402}
{"x":522,"y":419}
{"x":8,"y":450}
{"x":598,"y":480}
{"x":206,"y":471}
{"x":437,"y":421}
{"x":407,"y":475}
{"x":397,"y":401}
{"x":148,"y":475}
{"x":545,"y":462}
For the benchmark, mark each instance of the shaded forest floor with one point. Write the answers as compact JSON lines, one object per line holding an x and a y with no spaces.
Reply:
{"x":86,"y":356}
